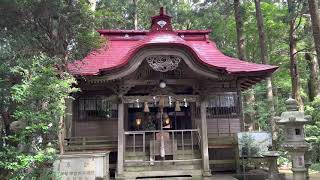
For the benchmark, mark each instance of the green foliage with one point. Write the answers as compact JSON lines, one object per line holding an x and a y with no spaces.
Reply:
{"x":249,"y":147}
{"x":315,"y":166}
{"x":37,"y":40}
{"x":39,"y":37}
{"x":313,"y":130}
{"x":39,"y":98}
{"x":56,"y":28}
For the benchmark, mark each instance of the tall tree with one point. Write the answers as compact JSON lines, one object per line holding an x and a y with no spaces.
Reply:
{"x":265,"y":60}
{"x":295,"y":77}
{"x":239,"y":28}
{"x":249,"y":97}
{"x":37,"y":40}
{"x":313,"y":81}
{"x":315,"y":19}
{"x":135,"y":14}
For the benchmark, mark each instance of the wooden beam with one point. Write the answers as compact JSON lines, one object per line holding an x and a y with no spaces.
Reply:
{"x":133,"y":99}
{"x":251,"y":81}
{"x":156,"y":82}
{"x":242,"y":86}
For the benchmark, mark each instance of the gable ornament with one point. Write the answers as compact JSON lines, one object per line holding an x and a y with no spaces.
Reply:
{"x":163,"y":63}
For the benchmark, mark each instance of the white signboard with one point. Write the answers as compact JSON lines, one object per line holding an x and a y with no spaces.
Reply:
{"x":83,"y":166}
{"x":254,"y":144}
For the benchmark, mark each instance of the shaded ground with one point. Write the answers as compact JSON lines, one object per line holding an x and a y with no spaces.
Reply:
{"x":220,"y":177}
{"x":314,"y":175}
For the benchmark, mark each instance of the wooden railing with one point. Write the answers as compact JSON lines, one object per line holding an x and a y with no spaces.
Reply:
{"x":159,"y":146}
{"x":90,"y":143}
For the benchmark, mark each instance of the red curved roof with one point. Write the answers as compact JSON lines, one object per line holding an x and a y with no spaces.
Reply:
{"x":122,"y":45}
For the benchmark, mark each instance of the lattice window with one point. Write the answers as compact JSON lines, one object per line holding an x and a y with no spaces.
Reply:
{"x":223,"y":105}
{"x":96,"y":108}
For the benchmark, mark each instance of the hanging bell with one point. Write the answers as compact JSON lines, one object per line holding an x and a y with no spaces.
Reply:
{"x":177,"y":108}
{"x":137,"y":103}
{"x":146,"y":107}
{"x":185,"y":102}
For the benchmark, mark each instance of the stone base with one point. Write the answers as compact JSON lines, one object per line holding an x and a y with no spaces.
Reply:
{"x":195,"y":174}
{"x":206,"y":174}
{"x":299,"y":173}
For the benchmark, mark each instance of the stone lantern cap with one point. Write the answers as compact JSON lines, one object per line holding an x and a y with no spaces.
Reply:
{"x":271,"y":154}
{"x":292,"y":116}
{"x":297,"y":146}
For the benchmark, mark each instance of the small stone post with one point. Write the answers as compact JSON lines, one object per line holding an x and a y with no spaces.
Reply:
{"x":272,"y":157}
{"x":308,"y":163}
{"x":293,"y":121}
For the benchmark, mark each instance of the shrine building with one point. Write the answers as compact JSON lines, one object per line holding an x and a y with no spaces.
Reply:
{"x":162,"y":102}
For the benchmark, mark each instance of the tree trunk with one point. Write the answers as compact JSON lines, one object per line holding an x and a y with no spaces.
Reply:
{"x":265,"y":60}
{"x":264,"y":53}
{"x":249,"y":98}
{"x":262,"y":36}
{"x":315,"y":19}
{"x":239,"y":28}
{"x":249,"y":115}
{"x":313,"y":81}
{"x":5,"y":116}
{"x":135,"y":14}
{"x":295,"y":79}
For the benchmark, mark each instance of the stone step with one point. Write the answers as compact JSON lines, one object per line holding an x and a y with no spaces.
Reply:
{"x":169,"y":178}
{"x":178,"y":152}
{"x":186,"y":154}
{"x":177,"y":157}
{"x":164,"y":167}
{"x":196,"y":174}
{"x":133,"y":163}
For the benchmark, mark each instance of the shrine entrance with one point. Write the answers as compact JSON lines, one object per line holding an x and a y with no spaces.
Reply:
{"x":160,"y":112}
{"x":138,"y":120}
{"x":160,"y":130}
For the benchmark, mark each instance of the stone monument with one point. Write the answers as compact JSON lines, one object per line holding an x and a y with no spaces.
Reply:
{"x":83,"y":166}
{"x":293,"y":121}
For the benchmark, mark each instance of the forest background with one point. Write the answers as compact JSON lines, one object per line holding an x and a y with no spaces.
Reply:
{"x":39,"y":37}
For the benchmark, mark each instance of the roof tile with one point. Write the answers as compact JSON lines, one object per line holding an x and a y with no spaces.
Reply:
{"x":118,"y":52}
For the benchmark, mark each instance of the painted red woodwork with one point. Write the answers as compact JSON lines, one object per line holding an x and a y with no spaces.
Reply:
{"x":122,"y":45}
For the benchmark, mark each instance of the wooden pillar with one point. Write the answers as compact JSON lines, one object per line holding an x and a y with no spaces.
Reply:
{"x":242,"y":127}
{"x":240,"y":105}
{"x":121,"y":142}
{"x":204,"y":140}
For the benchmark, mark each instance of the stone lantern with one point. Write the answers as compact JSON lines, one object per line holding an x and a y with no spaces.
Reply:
{"x":293,"y":121}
